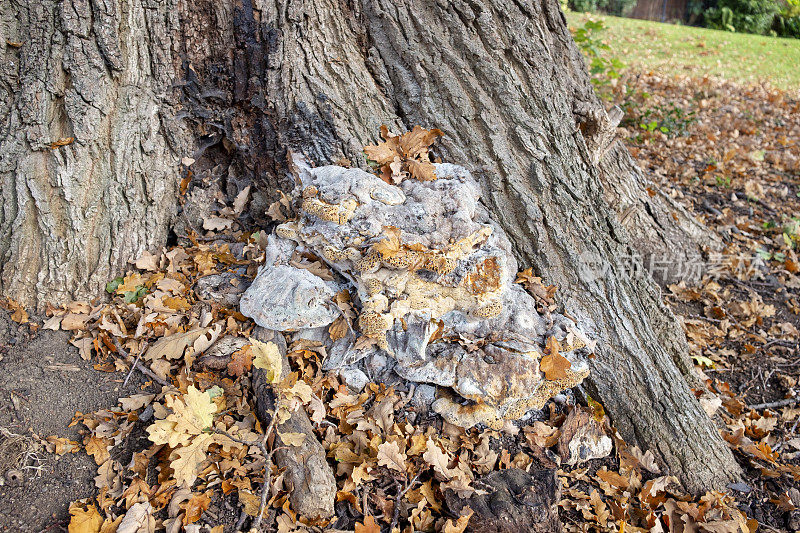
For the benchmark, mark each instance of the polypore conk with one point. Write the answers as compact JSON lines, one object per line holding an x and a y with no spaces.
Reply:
{"x":423,"y":260}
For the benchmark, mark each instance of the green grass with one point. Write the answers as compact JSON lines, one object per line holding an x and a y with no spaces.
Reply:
{"x":673,"y":49}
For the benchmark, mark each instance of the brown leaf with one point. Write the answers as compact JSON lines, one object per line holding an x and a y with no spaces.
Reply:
{"x":195,"y":507}
{"x":389,"y":455}
{"x":459,"y":525}
{"x":369,"y":526}
{"x":338,"y":329}
{"x":241,"y":362}
{"x":417,"y":141}
{"x":421,"y":170}
{"x":385,"y":152}
{"x":601,"y":511}
{"x":554,"y":365}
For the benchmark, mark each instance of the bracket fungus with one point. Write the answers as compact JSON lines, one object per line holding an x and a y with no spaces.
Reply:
{"x":432,"y":277}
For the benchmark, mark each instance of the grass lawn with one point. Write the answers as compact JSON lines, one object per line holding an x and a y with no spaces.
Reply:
{"x":677,"y":49}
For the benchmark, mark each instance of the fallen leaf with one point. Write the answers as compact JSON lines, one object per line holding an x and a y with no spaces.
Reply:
{"x":241,"y":362}
{"x":292,"y":439}
{"x":214,"y":223}
{"x":389,"y":455}
{"x":553,"y":364}
{"x":195,"y":507}
{"x":138,"y":519}
{"x":459,"y":525}
{"x":84,"y":518}
{"x":267,"y":357}
{"x":369,"y":526}
{"x":173,"y":346}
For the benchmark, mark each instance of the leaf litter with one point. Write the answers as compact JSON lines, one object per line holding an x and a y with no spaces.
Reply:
{"x":192,"y":446}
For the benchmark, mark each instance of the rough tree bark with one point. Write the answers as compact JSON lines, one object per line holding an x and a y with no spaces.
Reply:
{"x":99,"y":73}
{"x":503,"y":79}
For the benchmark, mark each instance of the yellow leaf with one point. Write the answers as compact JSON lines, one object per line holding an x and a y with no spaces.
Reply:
{"x":129,"y":283}
{"x":292,"y":439}
{"x":459,"y":525}
{"x":267,"y":357}
{"x":84,"y":518}
{"x":196,"y":414}
{"x":177,"y":303}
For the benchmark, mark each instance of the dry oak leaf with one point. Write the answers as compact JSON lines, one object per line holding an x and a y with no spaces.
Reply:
{"x":369,"y":526}
{"x":186,"y":460}
{"x":267,"y":357}
{"x":389,"y":455}
{"x":421,"y":170}
{"x":195,"y":507}
{"x":459,"y":525}
{"x":173,"y":346}
{"x":602,"y":514}
{"x":437,"y":459}
{"x":251,"y":502}
{"x":241,"y":362}
{"x":338,"y":329}
{"x":190,"y":415}
{"x":84,"y":518}
{"x":61,"y":445}
{"x":553,"y":364}
{"x":147,"y":261}
{"x":98,"y":447}
{"x":138,"y":519}
{"x":292,"y":439}
{"x":417,"y":141}
{"x":184,"y":430}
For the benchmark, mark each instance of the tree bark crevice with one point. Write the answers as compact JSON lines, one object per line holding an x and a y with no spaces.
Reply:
{"x":140,"y":84}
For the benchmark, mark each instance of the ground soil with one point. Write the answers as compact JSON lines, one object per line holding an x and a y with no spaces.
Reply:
{"x":43,"y":382}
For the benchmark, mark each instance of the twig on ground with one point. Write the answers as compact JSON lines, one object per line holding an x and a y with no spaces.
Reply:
{"x":779,"y":403}
{"x":138,"y":365}
{"x":267,"y":482}
{"x":133,"y":366}
{"x":400,"y":494}
{"x":240,"y":522}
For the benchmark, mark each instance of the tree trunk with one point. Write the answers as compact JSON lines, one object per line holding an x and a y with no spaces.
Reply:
{"x":93,"y":76}
{"x":502,"y":79}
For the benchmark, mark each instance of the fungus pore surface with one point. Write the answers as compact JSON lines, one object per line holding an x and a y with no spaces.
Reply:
{"x":431,"y":277}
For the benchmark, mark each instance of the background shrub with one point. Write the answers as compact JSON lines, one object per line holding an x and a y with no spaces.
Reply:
{"x":746,"y":16}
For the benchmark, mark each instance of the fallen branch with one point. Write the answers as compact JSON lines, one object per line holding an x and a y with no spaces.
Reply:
{"x":313,"y":490}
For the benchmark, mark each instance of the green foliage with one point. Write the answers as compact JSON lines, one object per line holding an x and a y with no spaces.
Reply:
{"x":745,"y":16}
{"x":787,"y":22}
{"x":602,"y":68}
{"x":111,"y":286}
{"x":618,"y":8}
{"x":129,"y":296}
{"x":669,"y":119}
